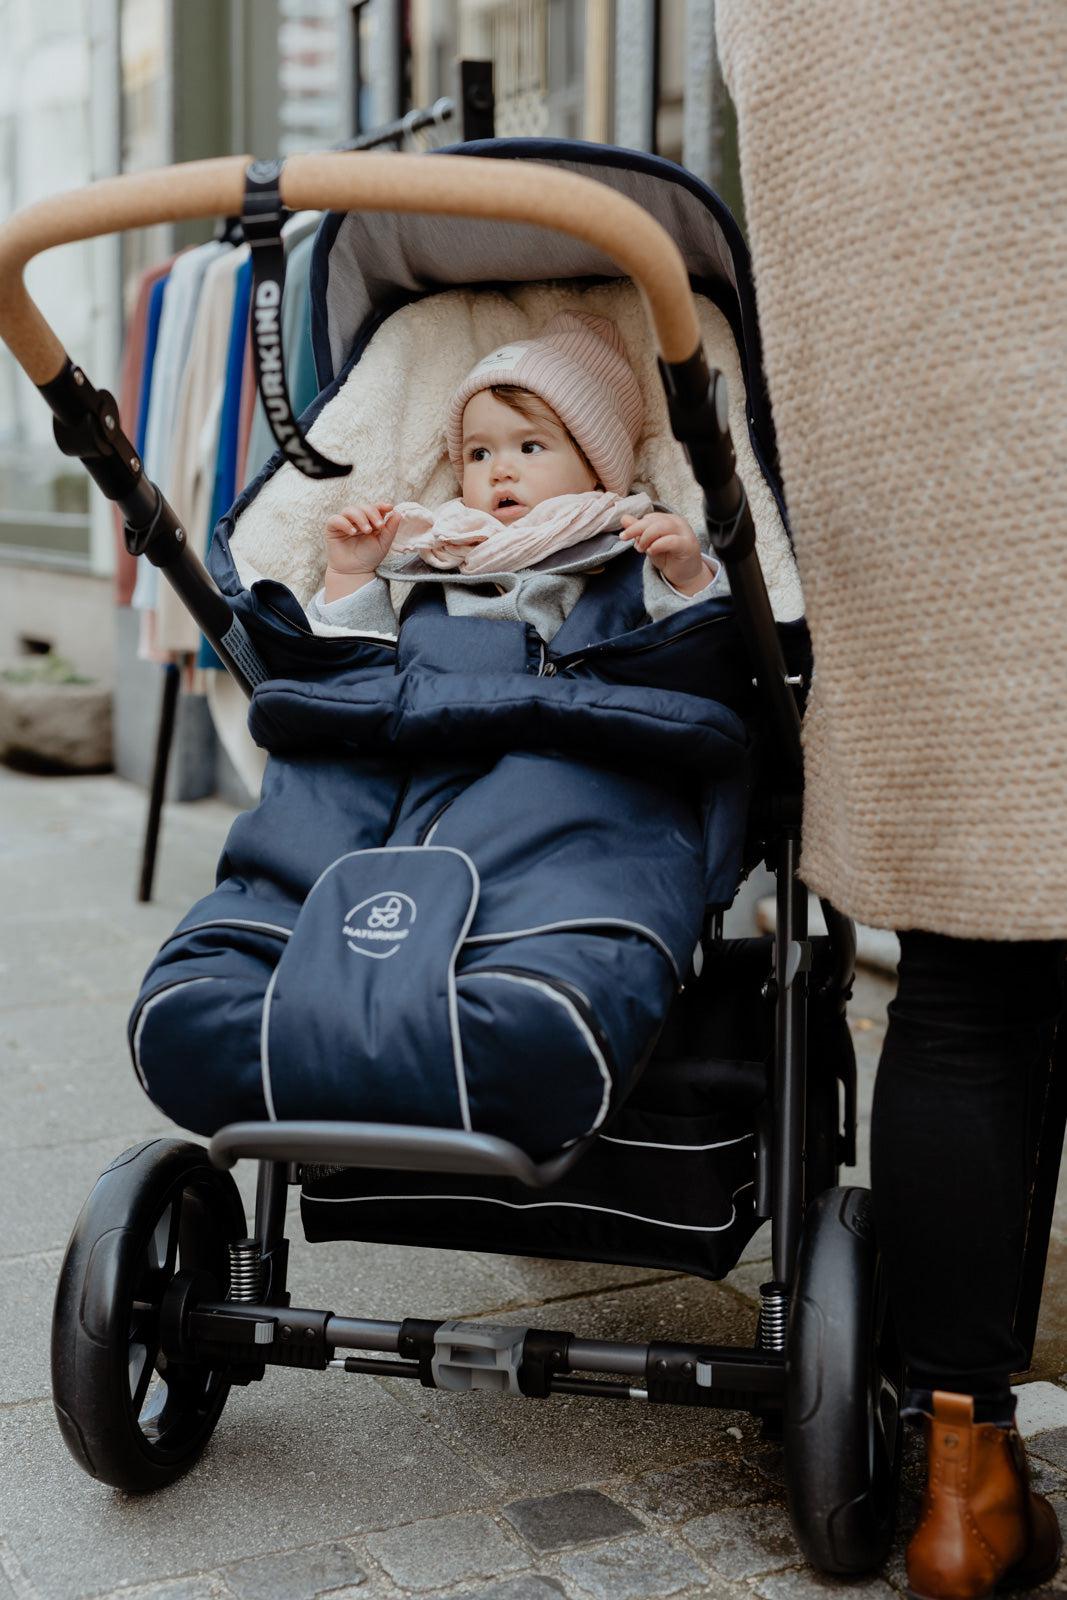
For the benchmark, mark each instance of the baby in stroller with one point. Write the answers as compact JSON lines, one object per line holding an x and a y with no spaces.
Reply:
{"x":507,"y":777}
{"x":541,"y":436}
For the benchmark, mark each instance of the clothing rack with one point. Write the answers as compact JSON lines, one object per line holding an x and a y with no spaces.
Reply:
{"x":474,"y":106}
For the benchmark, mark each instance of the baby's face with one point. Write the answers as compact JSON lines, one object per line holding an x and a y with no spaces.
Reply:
{"x":511,"y":464}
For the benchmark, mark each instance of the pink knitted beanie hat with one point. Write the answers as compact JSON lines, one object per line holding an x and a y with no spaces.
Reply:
{"x":578,"y":366}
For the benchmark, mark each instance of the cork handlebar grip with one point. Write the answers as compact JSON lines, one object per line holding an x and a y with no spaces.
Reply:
{"x":468,"y":186}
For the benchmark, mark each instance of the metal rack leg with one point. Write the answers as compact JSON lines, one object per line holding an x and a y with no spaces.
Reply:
{"x":164,"y":738}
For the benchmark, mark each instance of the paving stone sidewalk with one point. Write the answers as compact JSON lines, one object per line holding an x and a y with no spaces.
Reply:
{"x":320,"y":1484}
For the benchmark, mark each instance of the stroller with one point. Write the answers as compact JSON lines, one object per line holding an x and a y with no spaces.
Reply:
{"x":731,"y":1103}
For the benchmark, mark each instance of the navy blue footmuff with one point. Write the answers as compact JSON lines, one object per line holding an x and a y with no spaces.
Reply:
{"x":465,"y":899}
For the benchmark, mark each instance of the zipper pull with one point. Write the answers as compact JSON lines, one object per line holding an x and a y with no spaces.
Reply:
{"x":549,"y":670}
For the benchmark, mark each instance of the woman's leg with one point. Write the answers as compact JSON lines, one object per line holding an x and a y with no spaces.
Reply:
{"x":951,"y":1152}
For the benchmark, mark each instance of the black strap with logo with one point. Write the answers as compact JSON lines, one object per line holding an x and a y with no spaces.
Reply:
{"x":261,"y":222}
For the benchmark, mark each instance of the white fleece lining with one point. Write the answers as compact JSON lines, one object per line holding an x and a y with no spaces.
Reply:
{"x":529,"y":1205}
{"x":579,"y":1023}
{"x":415,"y":360}
{"x":575,"y":922}
{"x":453,"y":1012}
{"x":135,"y":1046}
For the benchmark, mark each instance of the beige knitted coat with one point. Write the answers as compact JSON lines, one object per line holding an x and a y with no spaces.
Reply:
{"x":905,"y":176}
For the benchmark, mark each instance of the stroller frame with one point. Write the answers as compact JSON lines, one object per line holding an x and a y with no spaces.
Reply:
{"x":842,"y":1451}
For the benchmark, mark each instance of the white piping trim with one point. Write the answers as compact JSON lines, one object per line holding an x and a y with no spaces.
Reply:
{"x":580,"y":922}
{"x":264,"y":1041}
{"x":433,"y":830}
{"x":453,"y":1013}
{"x":527,"y":1205}
{"x":651,"y":1144}
{"x":579,"y":1022}
{"x":453,"y":998}
{"x":135,"y":1043}
{"x":229,"y":922}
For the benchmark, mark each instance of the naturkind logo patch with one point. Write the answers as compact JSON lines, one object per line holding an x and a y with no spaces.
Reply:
{"x":378,"y":926}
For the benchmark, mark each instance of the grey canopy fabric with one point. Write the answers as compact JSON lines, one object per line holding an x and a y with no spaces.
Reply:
{"x":370,"y":263}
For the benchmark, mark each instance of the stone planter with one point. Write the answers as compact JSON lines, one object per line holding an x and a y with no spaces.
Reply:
{"x":55,"y":727}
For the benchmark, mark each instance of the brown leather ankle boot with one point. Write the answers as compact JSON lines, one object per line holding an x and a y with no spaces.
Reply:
{"x":982,"y":1527}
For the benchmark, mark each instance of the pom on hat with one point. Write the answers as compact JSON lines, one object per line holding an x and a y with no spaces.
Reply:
{"x":577,"y":364}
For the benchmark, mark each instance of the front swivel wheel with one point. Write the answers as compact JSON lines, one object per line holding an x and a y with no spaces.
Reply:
{"x":128,"y":1415}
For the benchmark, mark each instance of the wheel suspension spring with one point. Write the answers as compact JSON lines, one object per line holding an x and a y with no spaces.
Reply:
{"x":773,"y":1316}
{"x":246,"y":1270}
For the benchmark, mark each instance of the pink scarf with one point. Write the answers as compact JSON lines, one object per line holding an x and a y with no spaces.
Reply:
{"x":456,"y":537}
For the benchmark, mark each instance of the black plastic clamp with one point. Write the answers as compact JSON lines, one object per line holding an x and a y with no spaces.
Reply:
{"x":417,"y":1343}
{"x":676,"y":1375}
{"x":86,"y":425}
{"x":233,"y":1340}
{"x":300,"y":1339}
{"x":544,"y":1354}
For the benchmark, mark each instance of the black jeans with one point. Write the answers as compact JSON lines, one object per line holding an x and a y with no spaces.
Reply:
{"x":952,"y":1143}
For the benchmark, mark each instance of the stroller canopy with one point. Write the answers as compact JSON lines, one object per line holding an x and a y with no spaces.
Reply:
{"x":368,"y":264}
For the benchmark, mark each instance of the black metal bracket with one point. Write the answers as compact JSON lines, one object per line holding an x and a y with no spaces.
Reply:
{"x":416,"y":1343}
{"x":280,"y":1336}
{"x":86,"y":425}
{"x":477,"y":100}
{"x":544,"y":1357}
{"x":714,"y":1375}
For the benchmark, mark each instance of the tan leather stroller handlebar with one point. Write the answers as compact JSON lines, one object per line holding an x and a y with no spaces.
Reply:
{"x":469,"y":186}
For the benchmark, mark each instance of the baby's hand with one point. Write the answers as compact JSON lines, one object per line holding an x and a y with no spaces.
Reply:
{"x":671,"y":546}
{"x":359,"y":537}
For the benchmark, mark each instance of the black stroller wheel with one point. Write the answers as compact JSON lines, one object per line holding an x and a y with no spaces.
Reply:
{"x":843,"y":1385}
{"x":128,"y":1416}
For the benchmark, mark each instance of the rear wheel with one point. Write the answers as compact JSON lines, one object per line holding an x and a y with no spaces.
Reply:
{"x":842,"y":1431}
{"x":128,"y":1415}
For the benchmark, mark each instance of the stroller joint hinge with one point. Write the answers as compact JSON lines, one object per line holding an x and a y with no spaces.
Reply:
{"x":478,"y":1355}
{"x":544,"y":1357}
{"x":416,"y":1342}
{"x":705,"y":1375}
{"x":86,"y":425}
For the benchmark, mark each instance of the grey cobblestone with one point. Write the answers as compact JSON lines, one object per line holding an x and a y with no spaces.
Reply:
{"x":1040,"y":1407}
{"x":296,"y":1574}
{"x":531,"y":1586}
{"x":745,"y":1543}
{"x":579,"y":1516}
{"x":202,"y":1586}
{"x":808,"y":1585}
{"x":695,"y":1489}
{"x":425,"y":1555}
{"x":641,"y":1568}
{"x":1051,"y":1447}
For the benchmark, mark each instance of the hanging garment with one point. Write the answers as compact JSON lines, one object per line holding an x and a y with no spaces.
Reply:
{"x":172,"y":353}
{"x":225,"y":485}
{"x":138,"y":353}
{"x":194,"y":447}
